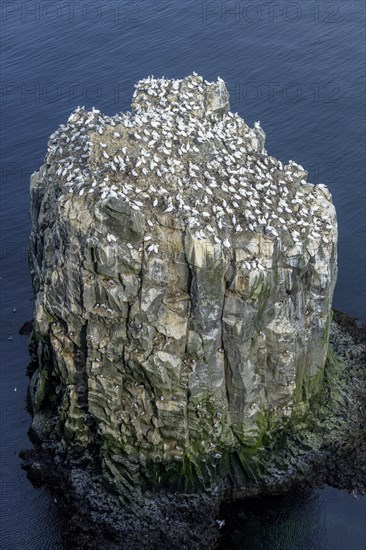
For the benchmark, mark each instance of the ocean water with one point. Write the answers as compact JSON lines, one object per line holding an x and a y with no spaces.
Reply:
{"x":296,"y":67}
{"x":308,"y":520}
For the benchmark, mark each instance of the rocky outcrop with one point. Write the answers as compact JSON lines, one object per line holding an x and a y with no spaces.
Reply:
{"x":323,"y":444}
{"x":183,"y":281}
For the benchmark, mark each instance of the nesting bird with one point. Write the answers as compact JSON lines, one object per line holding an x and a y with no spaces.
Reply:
{"x":175,"y":155}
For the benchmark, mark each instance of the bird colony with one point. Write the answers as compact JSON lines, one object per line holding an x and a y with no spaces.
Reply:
{"x":182,"y":153}
{"x":183,"y":283}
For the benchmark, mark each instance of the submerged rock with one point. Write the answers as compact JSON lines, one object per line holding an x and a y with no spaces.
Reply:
{"x":183,"y":282}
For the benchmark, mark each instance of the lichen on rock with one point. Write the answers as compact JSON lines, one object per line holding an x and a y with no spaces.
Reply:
{"x":183,"y":282}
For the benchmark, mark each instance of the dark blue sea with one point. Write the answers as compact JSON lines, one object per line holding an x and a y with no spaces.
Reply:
{"x":298,"y":67}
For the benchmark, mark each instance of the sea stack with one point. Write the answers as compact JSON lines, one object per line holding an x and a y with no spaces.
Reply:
{"x":183,"y":282}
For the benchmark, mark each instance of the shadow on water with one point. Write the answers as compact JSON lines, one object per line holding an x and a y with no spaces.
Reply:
{"x":322,"y":519}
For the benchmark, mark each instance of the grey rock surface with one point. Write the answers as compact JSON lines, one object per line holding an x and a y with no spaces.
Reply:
{"x":183,"y":282}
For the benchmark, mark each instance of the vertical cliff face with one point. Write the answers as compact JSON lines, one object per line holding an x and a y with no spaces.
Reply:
{"x":183,"y":281}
